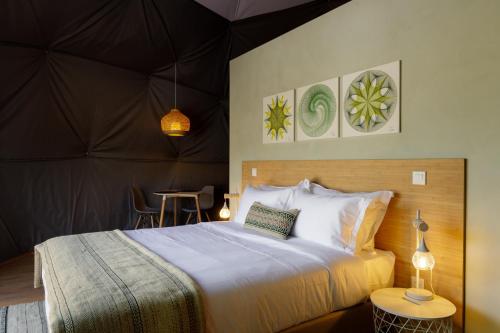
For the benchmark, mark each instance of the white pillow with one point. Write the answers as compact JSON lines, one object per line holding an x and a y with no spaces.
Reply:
{"x":318,"y":189}
{"x":328,"y":220}
{"x":372,"y":218}
{"x":275,"y":198}
{"x":302,"y":185}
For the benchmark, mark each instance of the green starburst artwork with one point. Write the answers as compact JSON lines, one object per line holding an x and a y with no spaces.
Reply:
{"x":371,"y":103}
{"x":370,"y":100}
{"x":278,"y":118}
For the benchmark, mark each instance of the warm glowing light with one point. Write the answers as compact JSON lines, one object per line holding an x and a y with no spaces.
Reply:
{"x":175,"y":123}
{"x":423,"y":261}
{"x":225,"y":213}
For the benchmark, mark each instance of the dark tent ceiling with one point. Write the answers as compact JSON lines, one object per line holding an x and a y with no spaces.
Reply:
{"x":83,"y":86}
{"x":237,"y":10}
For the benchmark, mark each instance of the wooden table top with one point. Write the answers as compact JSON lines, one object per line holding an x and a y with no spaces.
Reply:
{"x":173,"y":194}
{"x":163,"y":192}
{"x":392,"y":300}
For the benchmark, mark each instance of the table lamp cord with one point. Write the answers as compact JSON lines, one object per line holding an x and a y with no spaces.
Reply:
{"x":432,"y":289}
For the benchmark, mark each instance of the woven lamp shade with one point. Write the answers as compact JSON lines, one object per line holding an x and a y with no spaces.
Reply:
{"x":175,"y":123}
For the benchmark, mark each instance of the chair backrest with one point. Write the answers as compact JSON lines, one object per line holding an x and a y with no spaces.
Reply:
{"x":207,"y":197}
{"x":138,"y":199}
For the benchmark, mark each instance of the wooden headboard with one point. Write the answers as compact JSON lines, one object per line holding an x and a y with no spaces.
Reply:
{"x":441,"y":201}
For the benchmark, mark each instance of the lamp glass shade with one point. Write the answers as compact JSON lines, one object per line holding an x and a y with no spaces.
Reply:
{"x":224,"y":213}
{"x":422,"y":258}
{"x":175,"y":123}
{"x":423,"y":261}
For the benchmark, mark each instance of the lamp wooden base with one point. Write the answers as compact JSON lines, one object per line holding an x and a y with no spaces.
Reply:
{"x":419,"y":294}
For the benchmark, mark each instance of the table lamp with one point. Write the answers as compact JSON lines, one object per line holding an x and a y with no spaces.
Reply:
{"x":225,"y":213}
{"x":422,"y":260}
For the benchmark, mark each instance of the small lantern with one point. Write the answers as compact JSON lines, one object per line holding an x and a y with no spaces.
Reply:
{"x":175,"y":123}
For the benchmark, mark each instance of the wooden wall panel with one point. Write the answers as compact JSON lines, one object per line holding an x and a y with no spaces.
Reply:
{"x":441,"y":200}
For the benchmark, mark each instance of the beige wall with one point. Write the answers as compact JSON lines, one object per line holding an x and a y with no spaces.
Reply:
{"x":450,"y":87}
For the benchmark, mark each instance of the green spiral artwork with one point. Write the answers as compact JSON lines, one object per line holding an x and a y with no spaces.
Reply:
{"x":316,"y":110}
{"x":277,"y":122}
{"x":370,"y":101}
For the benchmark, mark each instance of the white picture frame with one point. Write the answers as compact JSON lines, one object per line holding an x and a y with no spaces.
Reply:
{"x":278,"y":124}
{"x":371,"y":101}
{"x":317,"y":111}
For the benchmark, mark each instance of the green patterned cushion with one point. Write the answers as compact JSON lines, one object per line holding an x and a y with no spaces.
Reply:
{"x":274,"y":222}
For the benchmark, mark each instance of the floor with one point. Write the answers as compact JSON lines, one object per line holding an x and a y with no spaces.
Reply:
{"x":16,"y":281}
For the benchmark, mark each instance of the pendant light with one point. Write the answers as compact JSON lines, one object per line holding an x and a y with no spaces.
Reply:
{"x":175,"y":123}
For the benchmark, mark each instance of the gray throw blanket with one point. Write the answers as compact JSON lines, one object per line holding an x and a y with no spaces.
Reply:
{"x":105,"y":282}
{"x":23,"y":318}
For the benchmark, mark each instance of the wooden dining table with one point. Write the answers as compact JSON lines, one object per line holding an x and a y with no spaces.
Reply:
{"x":174,"y":194}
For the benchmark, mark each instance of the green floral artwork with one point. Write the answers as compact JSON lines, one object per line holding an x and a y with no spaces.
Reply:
{"x":370,"y":101}
{"x":316,"y":110}
{"x":277,"y":118}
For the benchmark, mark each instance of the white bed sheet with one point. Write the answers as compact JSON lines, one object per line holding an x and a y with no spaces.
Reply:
{"x":379,"y":268}
{"x":255,"y":283}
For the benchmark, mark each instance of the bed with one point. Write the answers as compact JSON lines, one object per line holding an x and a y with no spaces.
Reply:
{"x":249,"y":282}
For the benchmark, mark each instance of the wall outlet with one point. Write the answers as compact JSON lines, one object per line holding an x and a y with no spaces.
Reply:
{"x":419,"y":178}
{"x":254,"y":172}
{"x":414,"y":284}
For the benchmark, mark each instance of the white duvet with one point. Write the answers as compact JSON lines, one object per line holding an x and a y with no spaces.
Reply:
{"x":255,"y":283}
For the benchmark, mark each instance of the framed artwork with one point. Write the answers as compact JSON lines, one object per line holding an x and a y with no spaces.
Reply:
{"x":317,"y":115}
{"x":278,"y":117}
{"x":370,"y":102}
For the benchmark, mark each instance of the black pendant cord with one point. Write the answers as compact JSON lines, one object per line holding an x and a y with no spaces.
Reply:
{"x":175,"y":85}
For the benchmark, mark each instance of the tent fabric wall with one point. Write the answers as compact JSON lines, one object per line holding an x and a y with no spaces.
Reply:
{"x":83,"y":86}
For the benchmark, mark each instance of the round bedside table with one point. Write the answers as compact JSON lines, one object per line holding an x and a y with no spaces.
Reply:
{"x":393,"y":313}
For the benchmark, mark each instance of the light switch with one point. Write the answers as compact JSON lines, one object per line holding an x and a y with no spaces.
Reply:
{"x":419,"y":178}
{"x":254,"y":172}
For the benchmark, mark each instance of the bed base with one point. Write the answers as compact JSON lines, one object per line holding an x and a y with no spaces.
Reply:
{"x":357,"y":319}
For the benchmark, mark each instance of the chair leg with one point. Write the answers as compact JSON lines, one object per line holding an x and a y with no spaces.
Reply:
{"x":165,"y":220}
{"x":151,"y":219}
{"x":208,"y":217}
{"x":139,"y":218}
{"x":189,"y":218}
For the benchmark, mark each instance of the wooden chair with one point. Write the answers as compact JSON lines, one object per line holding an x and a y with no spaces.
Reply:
{"x":206,"y":200}
{"x":144,"y":212}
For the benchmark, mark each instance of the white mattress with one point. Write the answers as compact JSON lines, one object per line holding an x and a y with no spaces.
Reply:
{"x":255,"y":283}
